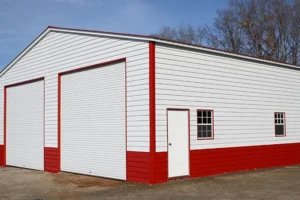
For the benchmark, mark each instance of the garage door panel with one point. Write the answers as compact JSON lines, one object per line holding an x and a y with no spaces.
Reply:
{"x":25,"y":125}
{"x":93,"y":130}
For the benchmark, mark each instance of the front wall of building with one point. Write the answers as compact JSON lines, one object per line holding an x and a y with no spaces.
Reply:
{"x":59,"y":52}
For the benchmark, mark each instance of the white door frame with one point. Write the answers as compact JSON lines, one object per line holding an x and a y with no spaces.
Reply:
{"x":189,"y":146}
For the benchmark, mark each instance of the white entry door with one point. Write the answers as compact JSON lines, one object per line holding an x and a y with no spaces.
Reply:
{"x":178,"y":144}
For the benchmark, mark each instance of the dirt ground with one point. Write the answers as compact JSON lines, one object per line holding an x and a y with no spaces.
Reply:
{"x":273,"y":184}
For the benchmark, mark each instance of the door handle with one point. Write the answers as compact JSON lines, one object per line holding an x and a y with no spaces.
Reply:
{"x":170,"y":144}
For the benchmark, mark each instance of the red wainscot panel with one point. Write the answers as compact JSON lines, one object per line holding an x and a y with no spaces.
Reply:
{"x":2,"y":155}
{"x":161,"y":167}
{"x":52,"y":159}
{"x":138,"y":167}
{"x":208,"y":162}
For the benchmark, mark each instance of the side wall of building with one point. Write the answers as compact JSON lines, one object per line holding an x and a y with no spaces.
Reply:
{"x":244,"y":96}
{"x":58,"y":52}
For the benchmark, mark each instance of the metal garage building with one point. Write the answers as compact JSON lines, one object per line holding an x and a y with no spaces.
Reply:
{"x":143,"y":109}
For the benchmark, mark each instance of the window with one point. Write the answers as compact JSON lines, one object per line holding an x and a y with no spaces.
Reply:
{"x":205,"y":123}
{"x":279,"y":124}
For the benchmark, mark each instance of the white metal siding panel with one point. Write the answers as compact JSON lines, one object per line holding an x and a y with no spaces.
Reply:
{"x":243,"y":94}
{"x":59,"y":52}
{"x":93,"y":125}
{"x":25,"y":125}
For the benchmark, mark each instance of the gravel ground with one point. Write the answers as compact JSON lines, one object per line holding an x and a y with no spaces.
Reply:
{"x":275,"y":184}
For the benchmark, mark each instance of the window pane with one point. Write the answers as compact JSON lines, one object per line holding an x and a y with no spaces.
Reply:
{"x":203,"y":131}
{"x":208,"y":133}
{"x":209,"y":127}
{"x":281,"y":121}
{"x":279,"y":130}
{"x":281,"y":115}
{"x":199,"y":113}
{"x":275,"y":121}
{"x":204,"y":120}
{"x":199,"y":131}
{"x":199,"y":120}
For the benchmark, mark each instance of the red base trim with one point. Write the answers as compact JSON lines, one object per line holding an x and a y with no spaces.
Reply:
{"x":161,"y":167}
{"x":2,"y":155}
{"x":223,"y":160}
{"x":209,"y":162}
{"x":138,"y":167}
{"x":51,"y":160}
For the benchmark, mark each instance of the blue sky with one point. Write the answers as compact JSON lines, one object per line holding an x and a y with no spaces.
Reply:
{"x":21,"y":21}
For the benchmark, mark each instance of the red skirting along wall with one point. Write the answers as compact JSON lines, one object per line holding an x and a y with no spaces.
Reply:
{"x":161,"y":167}
{"x":2,"y":155}
{"x":138,"y":165}
{"x":209,"y":162}
{"x":223,"y":160}
{"x":51,"y":160}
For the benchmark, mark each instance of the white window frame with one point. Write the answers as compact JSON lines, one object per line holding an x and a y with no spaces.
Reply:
{"x":206,"y":124}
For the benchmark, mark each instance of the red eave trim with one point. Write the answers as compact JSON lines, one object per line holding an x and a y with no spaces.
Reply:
{"x":152,"y":111}
{"x":102,"y":32}
{"x":233,"y":54}
{"x":174,"y":41}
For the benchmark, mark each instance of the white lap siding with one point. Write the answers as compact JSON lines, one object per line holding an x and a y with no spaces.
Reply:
{"x":244,"y":96}
{"x":58,"y":52}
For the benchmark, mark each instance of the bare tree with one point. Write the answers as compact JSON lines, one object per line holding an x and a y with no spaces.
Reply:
{"x":226,"y":32}
{"x":263,"y":28}
{"x":184,"y":33}
{"x":294,"y":36}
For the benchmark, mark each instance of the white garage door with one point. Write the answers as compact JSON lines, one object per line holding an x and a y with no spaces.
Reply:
{"x":25,"y":125}
{"x":93,"y":136}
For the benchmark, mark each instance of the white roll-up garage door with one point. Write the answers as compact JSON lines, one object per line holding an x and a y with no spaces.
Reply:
{"x":93,"y":128}
{"x":25,"y":125}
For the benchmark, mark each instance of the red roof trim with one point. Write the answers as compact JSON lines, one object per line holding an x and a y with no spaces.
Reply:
{"x":173,"y":41}
{"x":102,"y":32}
{"x":156,"y":39}
{"x":225,"y":51}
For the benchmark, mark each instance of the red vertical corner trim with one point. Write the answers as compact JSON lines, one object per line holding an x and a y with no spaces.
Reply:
{"x":126,"y":120}
{"x":152,"y":112}
{"x":58,"y":120}
{"x":3,"y":152}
